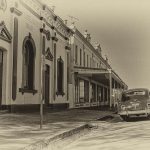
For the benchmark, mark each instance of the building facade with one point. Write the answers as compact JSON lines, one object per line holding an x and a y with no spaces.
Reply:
{"x":34,"y":46}
{"x":44,"y":60}
{"x":94,"y":83}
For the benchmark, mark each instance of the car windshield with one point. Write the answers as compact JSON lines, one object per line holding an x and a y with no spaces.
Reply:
{"x":134,"y":94}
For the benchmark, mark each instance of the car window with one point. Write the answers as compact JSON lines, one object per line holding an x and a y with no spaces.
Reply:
{"x":134,"y":94}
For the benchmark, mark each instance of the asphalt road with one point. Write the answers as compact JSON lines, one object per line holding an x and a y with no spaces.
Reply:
{"x":116,"y":134}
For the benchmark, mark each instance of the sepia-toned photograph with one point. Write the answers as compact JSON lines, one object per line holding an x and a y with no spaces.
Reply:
{"x":74,"y":74}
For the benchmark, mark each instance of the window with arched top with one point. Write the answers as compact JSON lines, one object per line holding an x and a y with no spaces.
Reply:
{"x":28,"y":74}
{"x":28,"y":66}
{"x":60,"y":76}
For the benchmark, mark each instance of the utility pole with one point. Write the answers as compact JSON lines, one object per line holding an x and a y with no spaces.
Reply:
{"x":43,"y":89}
{"x":42,"y":98}
{"x":110,"y":87}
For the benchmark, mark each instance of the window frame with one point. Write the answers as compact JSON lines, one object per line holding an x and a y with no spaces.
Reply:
{"x":60,"y":77}
{"x":80,"y":57}
{"x":29,"y":89}
{"x":76,"y":54}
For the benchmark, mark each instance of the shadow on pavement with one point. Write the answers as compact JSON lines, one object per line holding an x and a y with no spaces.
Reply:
{"x":137,"y":119}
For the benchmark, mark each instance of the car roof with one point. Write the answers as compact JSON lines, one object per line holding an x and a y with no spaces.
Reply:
{"x":135,"y":89}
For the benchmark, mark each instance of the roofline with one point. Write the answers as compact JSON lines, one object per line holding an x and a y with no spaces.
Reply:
{"x":54,"y":15}
{"x":93,"y":49}
{"x":119,"y":78}
{"x":91,"y":46}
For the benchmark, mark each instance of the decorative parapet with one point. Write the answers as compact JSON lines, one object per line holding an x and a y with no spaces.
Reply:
{"x":62,"y":29}
{"x":46,"y":14}
{"x":46,"y":32}
{"x":16,"y":11}
{"x":54,"y":38}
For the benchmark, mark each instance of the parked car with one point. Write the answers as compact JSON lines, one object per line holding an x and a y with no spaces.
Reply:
{"x":134,"y":102}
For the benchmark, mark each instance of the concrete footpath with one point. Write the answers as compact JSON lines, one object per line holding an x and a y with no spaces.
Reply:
{"x":19,"y":131}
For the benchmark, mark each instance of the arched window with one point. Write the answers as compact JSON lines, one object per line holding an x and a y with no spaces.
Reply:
{"x":60,"y":76}
{"x":28,"y":63}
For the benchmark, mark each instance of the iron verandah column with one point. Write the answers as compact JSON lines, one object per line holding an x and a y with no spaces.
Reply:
{"x":110,"y":87}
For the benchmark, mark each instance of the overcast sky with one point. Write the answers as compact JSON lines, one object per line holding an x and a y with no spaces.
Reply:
{"x":122,"y":27}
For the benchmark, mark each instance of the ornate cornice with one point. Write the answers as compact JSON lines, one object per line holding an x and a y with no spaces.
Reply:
{"x":91,"y":47}
{"x":4,"y":33}
{"x":16,"y":11}
{"x":46,"y":32}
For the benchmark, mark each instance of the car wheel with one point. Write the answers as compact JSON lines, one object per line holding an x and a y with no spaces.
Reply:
{"x":148,"y":116}
{"x":116,"y":108}
{"x":125,"y":118}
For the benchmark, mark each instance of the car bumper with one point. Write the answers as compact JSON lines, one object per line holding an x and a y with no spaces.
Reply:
{"x":135,"y":112}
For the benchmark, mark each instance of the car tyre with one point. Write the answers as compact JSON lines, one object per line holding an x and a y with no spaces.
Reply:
{"x":125,"y":118}
{"x":148,"y":116}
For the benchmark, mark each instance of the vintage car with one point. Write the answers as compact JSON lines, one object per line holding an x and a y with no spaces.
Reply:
{"x":134,"y":102}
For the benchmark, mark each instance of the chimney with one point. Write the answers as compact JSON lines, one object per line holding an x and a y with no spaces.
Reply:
{"x":72,"y":26}
{"x":106,"y":58}
{"x":65,"y":21}
{"x":98,"y":47}
{"x":85,"y":33}
{"x":88,"y":37}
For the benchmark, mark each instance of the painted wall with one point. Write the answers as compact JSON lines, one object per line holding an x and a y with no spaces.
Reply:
{"x":29,"y":13}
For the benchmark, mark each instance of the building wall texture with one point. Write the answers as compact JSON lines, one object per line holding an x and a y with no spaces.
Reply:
{"x":36,"y":46}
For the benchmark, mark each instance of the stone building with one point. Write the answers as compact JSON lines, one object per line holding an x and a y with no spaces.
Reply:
{"x":34,"y":46}
{"x":42,"y":59}
{"x":93,"y":79}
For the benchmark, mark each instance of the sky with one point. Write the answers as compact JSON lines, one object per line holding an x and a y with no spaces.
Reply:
{"x":122,"y":27}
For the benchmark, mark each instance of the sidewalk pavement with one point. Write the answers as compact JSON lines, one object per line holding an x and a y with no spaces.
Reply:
{"x":20,"y":130}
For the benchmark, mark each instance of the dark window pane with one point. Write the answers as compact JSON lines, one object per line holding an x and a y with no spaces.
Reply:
{"x":60,"y":72}
{"x":28,"y":65}
{"x":1,"y":74}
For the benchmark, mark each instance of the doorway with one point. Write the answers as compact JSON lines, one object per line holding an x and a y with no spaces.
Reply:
{"x":47,"y":84}
{"x":1,"y":75}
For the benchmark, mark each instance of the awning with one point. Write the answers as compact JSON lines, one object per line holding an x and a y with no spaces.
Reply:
{"x":85,"y":70}
{"x":98,"y":74}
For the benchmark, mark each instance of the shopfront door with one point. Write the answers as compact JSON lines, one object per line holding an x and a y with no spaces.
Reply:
{"x":1,"y":74}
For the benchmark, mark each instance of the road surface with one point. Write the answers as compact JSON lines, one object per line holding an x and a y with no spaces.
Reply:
{"x":116,"y":135}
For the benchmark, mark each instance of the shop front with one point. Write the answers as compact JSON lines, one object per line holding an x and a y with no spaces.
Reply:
{"x":95,"y":87}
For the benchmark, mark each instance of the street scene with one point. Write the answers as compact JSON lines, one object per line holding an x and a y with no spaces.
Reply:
{"x":74,"y":74}
{"x":116,"y":135}
{"x":21,"y":131}
{"x":108,"y":131}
